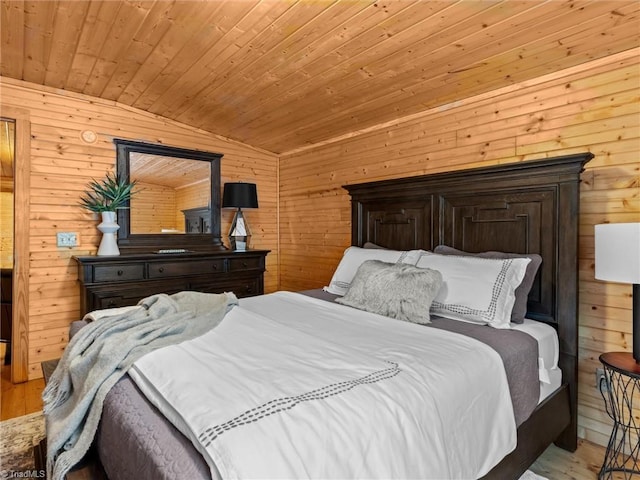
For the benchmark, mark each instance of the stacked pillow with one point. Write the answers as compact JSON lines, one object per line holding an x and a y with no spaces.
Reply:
{"x":487,"y":288}
{"x":522,"y":291}
{"x":476,"y":289}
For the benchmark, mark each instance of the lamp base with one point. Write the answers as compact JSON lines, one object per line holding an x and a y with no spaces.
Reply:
{"x":636,"y":321}
{"x":239,"y":234}
{"x":239,"y":243}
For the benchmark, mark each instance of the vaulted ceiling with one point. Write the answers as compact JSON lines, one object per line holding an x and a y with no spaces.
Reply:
{"x":282,"y":74}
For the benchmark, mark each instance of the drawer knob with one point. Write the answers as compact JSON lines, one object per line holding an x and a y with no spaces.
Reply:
{"x":120,"y":273}
{"x":111,"y":303}
{"x":244,"y":264}
{"x":161,"y":269}
{"x":215,"y":267}
{"x":249,"y":289}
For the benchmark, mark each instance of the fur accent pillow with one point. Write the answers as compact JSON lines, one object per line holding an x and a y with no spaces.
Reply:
{"x":522,"y":292}
{"x":396,"y":290}
{"x":353,"y":258}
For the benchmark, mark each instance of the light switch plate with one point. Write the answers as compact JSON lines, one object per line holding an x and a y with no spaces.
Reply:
{"x":67,"y":239}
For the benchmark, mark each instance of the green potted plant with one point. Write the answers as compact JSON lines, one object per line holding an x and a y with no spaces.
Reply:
{"x":105,"y":197}
{"x":108,"y":194}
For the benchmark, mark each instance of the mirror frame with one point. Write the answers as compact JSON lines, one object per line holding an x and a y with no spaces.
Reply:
{"x":135,"y":243}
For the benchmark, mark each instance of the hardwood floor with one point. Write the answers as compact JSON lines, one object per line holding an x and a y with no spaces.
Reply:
{"x":584,"y":464}
{"x":18,"y":399}
{"x":554,"y":464}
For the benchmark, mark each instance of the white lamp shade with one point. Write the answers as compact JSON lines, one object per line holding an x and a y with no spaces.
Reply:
{"x":618,"y":252}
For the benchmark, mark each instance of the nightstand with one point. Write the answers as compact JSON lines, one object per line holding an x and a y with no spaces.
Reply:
{"x":621,"y":389}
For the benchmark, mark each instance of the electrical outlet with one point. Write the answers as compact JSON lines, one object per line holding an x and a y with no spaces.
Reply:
{"x":67,"y":239}
{"x":602,"y":383}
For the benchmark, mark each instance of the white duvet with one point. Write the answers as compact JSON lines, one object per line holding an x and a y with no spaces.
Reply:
{"x":288,"y":386}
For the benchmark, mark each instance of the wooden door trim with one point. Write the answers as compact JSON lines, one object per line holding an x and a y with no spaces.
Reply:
{"x":21,"y":204}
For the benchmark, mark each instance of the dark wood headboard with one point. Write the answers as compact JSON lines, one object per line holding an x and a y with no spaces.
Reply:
{"x":527,"y":207}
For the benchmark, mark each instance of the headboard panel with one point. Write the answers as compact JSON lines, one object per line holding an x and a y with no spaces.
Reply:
{"x":508,"y":221}
{"x":401,"y":224}
{"x":527,"y":207}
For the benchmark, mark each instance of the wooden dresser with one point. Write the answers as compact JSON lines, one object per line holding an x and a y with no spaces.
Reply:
{"x":118,"y":281}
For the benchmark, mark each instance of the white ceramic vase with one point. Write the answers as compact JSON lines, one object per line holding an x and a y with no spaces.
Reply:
{"x":108,"y":227}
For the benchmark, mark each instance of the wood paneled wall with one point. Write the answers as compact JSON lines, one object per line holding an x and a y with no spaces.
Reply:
{"x":154,"y":208}
{"x":195,"y":195}
{"x":593,"y":107}
{"x":61,"y":166}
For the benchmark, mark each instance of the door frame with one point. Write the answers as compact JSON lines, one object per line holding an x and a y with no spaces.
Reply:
{"x":21,"y":203}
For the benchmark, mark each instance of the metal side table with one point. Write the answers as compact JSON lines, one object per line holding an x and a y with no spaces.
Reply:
{"x":620,"y":389}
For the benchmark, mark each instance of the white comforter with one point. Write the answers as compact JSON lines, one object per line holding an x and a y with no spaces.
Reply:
{"x":289,"y":386}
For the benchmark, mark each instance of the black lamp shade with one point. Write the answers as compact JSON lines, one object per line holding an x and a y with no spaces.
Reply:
{"x":240,"y":195}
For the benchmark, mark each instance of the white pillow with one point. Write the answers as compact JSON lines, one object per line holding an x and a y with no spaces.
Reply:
{"x":474,"y":289}
{"x":354,"y":257}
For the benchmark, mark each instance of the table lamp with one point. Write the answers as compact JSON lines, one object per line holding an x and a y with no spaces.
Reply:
{"x":239,"y":195}
{"x":618,"y":260}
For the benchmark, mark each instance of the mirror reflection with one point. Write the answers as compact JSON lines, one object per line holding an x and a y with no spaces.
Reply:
{"x":179,"y":192}
{"x":173,"y":195}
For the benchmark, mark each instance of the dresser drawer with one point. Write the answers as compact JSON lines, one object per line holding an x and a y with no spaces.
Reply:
{"x":177,"y":269}
{"x":242,"y":287}
{"x":249,"y":263}
{"x":118,"y":273}
{"x":112,"y":302}
{"x":247,"y":288}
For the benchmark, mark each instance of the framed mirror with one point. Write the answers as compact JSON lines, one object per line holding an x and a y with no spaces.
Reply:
{"x":176,"y":203}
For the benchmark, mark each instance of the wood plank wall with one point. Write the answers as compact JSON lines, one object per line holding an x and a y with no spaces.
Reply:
{"x":593,"y":107}
{"x":195,"y":195}
{"x":154,"y":208}
{"x":61,"y":166}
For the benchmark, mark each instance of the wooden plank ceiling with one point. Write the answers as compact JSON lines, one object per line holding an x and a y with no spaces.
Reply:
{"x":282,"y":74}
{"x":168,"y":171}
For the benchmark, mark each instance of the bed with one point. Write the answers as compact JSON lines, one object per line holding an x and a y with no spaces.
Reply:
{"x":524,"y":208}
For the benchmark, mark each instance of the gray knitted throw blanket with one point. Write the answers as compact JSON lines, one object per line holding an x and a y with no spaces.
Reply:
{"x":102,"y":352}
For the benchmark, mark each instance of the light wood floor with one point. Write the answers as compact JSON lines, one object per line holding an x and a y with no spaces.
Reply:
{"x":554,"y":464}
{"x":583,"y":464}
{"x":18,"y":399}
